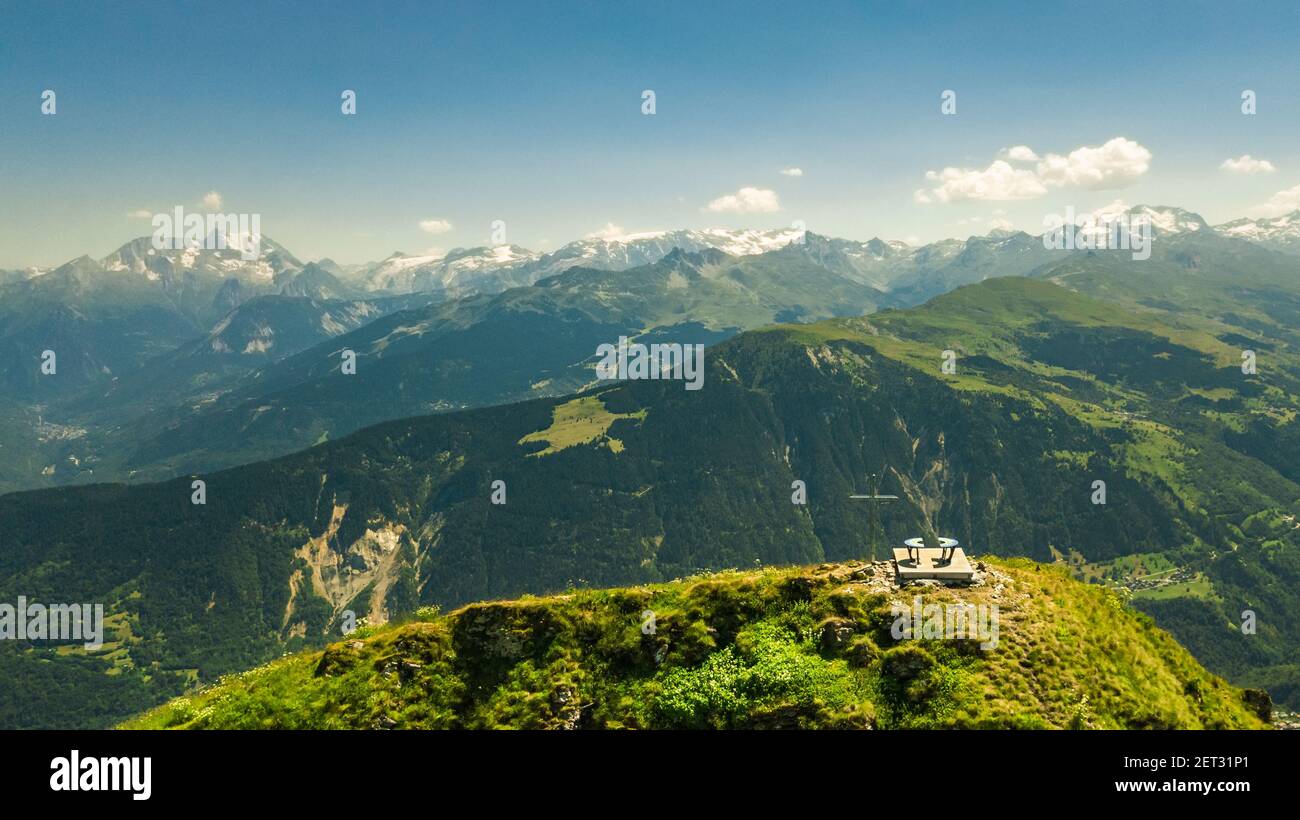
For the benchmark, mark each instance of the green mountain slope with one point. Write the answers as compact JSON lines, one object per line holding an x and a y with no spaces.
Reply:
{"x":263,"y":330}
{"x":74,"y":434}
{"x":97,"y":322}
{"x":781,"y":648}
{"x":1240,"y":287}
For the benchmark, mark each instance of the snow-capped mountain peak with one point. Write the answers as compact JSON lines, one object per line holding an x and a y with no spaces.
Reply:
{"x":1164,"y":219}
{"x":1281,"y":233}
{"x":1170,"y":220}
{"x":139,"y":256}
{"x":493,"y":268}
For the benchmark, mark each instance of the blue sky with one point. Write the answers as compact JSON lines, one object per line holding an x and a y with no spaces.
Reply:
{"x":531,"y":113}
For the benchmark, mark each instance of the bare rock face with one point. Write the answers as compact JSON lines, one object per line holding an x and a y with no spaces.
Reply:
{"x":339,"y":573}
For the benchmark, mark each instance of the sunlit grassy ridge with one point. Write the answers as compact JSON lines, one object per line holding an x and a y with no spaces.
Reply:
{"x":799,"y":647}
{"x":994,"y":330}
{"x":991,"y":318}
{"x":1164,"y":380}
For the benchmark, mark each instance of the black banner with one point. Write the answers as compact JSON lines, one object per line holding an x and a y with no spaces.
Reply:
{"x":152,"y":770}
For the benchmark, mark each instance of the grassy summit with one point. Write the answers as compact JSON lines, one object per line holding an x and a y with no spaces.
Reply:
{"x":806,"y":647}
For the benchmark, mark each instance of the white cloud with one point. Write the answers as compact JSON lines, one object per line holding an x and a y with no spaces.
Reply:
{"x":435,"y":225}
{"x":1115,"y":164}
{"x":746,"y":201}
{"x":792,"y":172}
{"x":1246,"y":164}
{"x":1282,"y":202}
{"x":435,"y":252}
{"x":610,"y":231}
{"x":212,"y":201}
{"x":1000,"y":182}
{"x":141,"y":213}
{"x":1020,"y":153}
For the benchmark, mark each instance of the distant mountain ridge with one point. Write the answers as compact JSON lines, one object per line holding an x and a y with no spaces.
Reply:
{"x":879,"y":260}
{"x":132,"y":380}
{"x":1280,"y":233}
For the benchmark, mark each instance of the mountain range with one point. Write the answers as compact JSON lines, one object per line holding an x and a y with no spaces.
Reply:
{"x":990,"y":381}
{"x":156,"y":345}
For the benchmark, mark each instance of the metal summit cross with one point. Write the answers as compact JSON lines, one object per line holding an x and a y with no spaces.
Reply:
{"x":876,"y":500}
